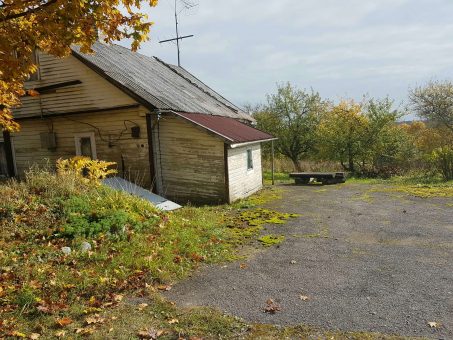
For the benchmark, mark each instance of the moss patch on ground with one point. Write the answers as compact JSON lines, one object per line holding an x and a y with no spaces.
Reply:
{"x":423,"y":191}
{"x":271,"y":240}
{"x":266,"y":195}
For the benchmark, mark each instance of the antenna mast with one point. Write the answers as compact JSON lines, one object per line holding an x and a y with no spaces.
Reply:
{"x":178,"y":38}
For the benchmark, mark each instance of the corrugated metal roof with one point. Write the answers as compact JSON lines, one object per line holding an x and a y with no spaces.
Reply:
{"x":230,"y":129}
{"x":163,"y":86}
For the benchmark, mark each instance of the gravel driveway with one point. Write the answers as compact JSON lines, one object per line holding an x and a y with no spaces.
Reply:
{"x":366,"y":261}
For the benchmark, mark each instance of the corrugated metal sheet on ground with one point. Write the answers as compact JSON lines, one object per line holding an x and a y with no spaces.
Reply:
{"x":231,"y":129}
{"x":121,"y":184}
{"x":162,"y":85}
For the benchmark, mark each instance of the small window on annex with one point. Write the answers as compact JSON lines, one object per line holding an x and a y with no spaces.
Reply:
{"x":86,"y":145}
{"x":249,"y":159}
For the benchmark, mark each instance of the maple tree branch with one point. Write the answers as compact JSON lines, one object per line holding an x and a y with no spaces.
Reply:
{"x":28,"y":11}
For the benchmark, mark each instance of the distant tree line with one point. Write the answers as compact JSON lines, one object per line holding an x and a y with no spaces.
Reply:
{"x":366,"y":138}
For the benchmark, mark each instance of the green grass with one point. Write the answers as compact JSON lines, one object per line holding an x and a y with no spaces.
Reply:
{"x":140,"y":248}
{"x":416,"y":185}
{"x":279,"y":177}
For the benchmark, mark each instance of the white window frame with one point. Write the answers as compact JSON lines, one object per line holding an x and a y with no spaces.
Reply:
{"x":92,"y":137}
{"x":247,"y":158}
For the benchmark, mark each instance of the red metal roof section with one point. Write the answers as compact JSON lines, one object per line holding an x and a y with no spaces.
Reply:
{"x":229,"y":128}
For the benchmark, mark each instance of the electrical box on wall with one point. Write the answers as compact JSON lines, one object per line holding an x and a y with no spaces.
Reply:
{"x":135,"y":132}
{"x":48,"y":140}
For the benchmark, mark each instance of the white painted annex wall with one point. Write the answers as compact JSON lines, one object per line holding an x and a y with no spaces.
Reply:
{"x":243,"y":182}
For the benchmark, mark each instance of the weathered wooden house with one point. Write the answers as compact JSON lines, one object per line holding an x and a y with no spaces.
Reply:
{"x":165,"y":129}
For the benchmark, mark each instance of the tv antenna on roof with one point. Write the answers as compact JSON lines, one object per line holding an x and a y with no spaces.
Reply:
{"x":186,"y":5}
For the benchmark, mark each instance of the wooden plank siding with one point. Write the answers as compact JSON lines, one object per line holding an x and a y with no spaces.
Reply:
{"x":189,"y":162}
{"x":94,"y":92}
{"x":244,"y":182}
{"x":112,"y":136}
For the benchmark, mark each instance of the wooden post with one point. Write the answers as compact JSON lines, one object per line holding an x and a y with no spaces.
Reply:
{"x":273,"y":164}
{"x":152,"y":169}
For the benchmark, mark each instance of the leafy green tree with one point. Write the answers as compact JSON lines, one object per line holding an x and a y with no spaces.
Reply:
{"x":364,"y":138}
{"x":292,"y":115}
{"x":341,"y":134}
{"x":434,"y":102}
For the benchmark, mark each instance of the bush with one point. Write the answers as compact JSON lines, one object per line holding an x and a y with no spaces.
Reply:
{"x":442,"y":159}
{"x":85,"y":168}
{"x":65,"y":205}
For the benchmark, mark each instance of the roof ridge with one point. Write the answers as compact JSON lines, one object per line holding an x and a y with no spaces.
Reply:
{"x":209,"y":87}
{"x":198,"y":87}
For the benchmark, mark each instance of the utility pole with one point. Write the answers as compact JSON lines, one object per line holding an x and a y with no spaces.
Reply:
{"x":178,"y":38}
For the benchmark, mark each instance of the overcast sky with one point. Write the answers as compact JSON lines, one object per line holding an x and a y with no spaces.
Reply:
{"x":341,"y":48}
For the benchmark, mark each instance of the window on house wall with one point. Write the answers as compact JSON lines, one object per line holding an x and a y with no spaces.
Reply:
{"x":249,"y":159}
{"x":85,"y":144}
{"x":3,"y":164}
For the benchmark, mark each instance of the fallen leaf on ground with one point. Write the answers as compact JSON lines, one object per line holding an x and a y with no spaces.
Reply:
{"x":164,"y":287}
{"x":84,"y":331}
{"x":304,"y":298}
{"x":272,"y":307}
{"x":44,"y":309}
{"x":293,"y":262}
{"x":117,"y":297}
{"x":142,"y":306}
{"x":18,"y":334}
{"x":94,"y":319}
{"x":150,"y":334}
{"x":173,"y":321}
{"x":243,"y":266}
{"x":34,"y":336}
{"x":433,"y":324}
{"x":64,"y":322}
{"x":91,"y":310}
{"x":60,"y":334}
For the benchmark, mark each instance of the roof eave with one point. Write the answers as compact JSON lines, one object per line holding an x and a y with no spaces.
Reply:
{"x":238,"y":145}
{"x":225,"y":138}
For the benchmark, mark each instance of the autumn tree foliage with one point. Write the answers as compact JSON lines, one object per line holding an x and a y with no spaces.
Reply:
{"x":365,"y":137}
{"x":342,"y":132}
{"x":53,"y":26}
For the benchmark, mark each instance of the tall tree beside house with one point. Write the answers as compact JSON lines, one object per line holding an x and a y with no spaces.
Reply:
{"x":292,"y":116}
{"x":53,"y":26}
